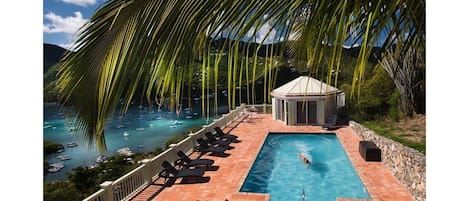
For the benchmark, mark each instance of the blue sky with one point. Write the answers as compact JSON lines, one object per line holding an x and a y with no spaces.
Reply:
{"x":62,"y":18}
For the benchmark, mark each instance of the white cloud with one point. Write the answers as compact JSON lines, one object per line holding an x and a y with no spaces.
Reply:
{"x":350,"y":46}
{"x":68,"y":46}
{"x":68,"y":25}
{"x":83,"y":3}
{"x":263,"y":32}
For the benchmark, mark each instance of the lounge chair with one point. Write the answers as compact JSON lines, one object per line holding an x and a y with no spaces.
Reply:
{"x":222,"y":135}
{"x":186,"y":161}
{"x":171,"y":172}
{"x":331,"y":124}
{"x":214,"y":141}
{"x":204,"y":147}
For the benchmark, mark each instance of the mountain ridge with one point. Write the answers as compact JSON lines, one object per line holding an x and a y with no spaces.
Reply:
{"x":52,"y":55}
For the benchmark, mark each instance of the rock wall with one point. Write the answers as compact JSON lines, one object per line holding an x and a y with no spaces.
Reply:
{"x":406,"y":164}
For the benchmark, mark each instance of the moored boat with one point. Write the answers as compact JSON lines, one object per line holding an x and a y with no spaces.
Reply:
{"x":72,"y":144}
{"x":64,"y":157}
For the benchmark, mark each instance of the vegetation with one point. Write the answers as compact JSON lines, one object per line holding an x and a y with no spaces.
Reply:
{"x":51,"y":91}
{"x":83,"y":181}
{"x":376,"y":97}
{"x":61,"y":190}
{"x":399,"y":133}
{"x":51,"y":147}
{"x":378,"y":107}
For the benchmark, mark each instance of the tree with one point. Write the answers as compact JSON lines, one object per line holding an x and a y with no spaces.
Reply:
{"x":407,"y":71}
{"x":155,"y":43}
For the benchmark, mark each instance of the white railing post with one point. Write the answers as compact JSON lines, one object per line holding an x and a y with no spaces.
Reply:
{"x":147,"y":177}
{"x":215,"y":122}
{"x":108,"y":190}
{"x":204,"y":128}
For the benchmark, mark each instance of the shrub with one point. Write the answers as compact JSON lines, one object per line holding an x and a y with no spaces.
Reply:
{"x":61,"y":190}
{"x":374,"y":100}
{"x":394,"y":102}
{"x":51,"y":147}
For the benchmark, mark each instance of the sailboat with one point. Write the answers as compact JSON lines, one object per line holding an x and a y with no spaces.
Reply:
{"x":120,"y":125}
{"x":141,"y":126}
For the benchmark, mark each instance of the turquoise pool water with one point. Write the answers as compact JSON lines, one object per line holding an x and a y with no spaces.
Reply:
{"x":158,"y":127}
{"x":279,"y":171}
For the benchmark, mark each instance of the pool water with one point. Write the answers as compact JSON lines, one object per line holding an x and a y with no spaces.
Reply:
{"x":279,"y":171}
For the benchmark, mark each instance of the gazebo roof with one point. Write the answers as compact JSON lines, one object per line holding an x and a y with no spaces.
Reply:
{"x":304,"y":86}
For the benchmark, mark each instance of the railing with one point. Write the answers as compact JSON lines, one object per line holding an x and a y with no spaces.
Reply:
{"x":133,"y":182}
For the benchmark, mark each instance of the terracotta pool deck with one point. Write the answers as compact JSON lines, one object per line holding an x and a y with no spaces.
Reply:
{"x":225,"y":182}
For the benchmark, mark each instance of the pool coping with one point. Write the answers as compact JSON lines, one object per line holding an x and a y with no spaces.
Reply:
{"x":304,"y":133}
{"x":226,"y":182}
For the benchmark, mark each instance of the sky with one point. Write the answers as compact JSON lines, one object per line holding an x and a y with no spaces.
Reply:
{"x":63,"y":18}
{"x":21,"y":104}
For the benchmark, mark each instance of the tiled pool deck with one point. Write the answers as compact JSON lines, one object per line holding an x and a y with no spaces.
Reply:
{"x":224,"y":183}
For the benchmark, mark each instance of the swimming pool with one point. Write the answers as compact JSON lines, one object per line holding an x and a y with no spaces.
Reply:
{"x":279,"y":171}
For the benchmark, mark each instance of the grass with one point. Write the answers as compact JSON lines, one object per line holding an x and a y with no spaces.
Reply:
{"x":399,"y":134}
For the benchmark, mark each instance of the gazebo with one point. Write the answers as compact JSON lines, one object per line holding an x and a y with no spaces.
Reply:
{"x":306,"y":101}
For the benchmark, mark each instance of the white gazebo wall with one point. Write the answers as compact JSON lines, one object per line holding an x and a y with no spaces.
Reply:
{"x":291,"y":112}
{"x":326,"y":107}
{"x":274,"y":109}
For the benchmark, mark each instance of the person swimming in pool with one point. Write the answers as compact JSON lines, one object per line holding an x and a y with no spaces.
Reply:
{"x":305,"y":160}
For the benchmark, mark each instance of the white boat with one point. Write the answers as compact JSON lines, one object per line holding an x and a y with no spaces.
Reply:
{"x":188,"y":117}
{"x":64,"y":157}
{"x":125,"y":151}
{"x":141,"y":127}
{"x":173,"y":126}
{"x":100,"y":158}
{"x":176,"y":122}
{"x":151,"y":125}
{"x":126,"y":133}
{"x":57,"y":165}
{"x":120,"y":126}
{"x":72,"y":144}
{"x":72,"y":129}
{"x":140,"y":146}
{"x":53,"y":170}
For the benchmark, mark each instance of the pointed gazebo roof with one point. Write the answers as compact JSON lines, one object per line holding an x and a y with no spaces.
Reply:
{"x":304,"y":86}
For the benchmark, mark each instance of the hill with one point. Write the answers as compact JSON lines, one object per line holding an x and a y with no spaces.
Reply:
{"x":52,"y":55}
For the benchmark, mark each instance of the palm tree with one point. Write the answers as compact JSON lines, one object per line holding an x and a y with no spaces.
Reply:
{"x":158,"y":44}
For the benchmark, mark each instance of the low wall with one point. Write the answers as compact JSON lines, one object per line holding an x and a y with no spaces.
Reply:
{"x":406,"y":164}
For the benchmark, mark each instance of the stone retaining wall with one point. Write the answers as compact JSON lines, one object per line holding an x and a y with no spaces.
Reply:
{"x":406,"y":164}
